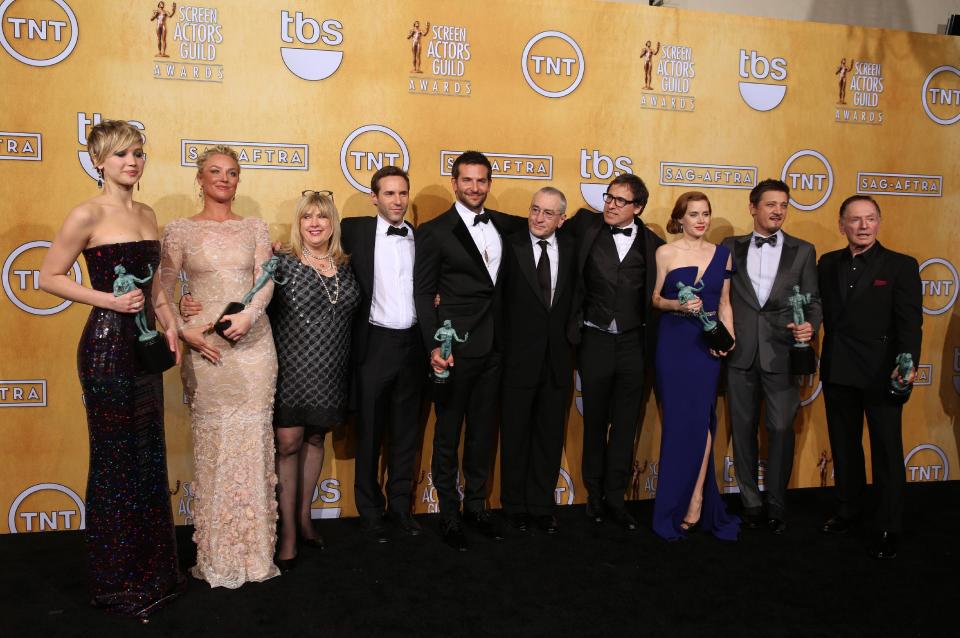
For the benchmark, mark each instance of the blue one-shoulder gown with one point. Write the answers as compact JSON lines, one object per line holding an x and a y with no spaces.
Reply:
{"x":687,"y":380}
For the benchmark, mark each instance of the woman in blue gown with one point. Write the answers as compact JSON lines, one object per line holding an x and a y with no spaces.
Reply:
{"x":688,"y":373}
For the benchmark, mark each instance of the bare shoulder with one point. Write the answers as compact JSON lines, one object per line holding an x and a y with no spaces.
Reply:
{"x":85,"y":215}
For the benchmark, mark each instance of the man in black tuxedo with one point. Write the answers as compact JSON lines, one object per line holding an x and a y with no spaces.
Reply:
{"x":769,"y":262}
{"x":460,"y":259}
{"x":537,"y":361}
{"x":387,"y":353}
{"x":872,"y":311}
{"x":614,"y":324}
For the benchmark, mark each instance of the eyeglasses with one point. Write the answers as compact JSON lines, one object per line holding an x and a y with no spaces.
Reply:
{"x":536,"y":211}
{"x":310,"y":191}
{"x":619,"y":202}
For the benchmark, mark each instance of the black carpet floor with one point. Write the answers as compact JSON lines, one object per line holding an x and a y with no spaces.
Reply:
{"x":588,"y":580}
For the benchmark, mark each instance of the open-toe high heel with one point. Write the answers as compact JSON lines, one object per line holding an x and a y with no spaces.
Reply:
{"x":689,"y":527}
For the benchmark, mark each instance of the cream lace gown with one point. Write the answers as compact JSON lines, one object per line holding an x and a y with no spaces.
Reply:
{"x":231,"y":404}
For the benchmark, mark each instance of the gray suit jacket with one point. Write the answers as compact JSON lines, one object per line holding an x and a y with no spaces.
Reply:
{"x":761,"y":332}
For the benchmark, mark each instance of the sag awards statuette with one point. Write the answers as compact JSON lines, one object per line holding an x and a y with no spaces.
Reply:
{"x":152,"y":349}
{"x":901,"y":391}
{"x":717,"y":335}
{"x":446,"y":335}
{"x":803,"y":360}
{"x":269,"y":269}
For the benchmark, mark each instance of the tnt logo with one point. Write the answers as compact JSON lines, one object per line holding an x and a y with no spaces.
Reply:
{"x":38,"y":33}
{"x":940,"y":280}
{"x":46,"y":507}
{"x":810,"y":178}
{"x":564,"y":492}
{"x":762,"y":96}
{"x":25,"y":147}
{"x":23,"y":394}
{"x":367,"y":150}
{"x":940,"y":95}
{"x":84,"y":124}
{"x":21,"y":280}
{"x":594,"y":165}
{"x":552,"y":64}
{"x":327,"y":492}
{"x":310,"y":64}
{"x":926,"y":463}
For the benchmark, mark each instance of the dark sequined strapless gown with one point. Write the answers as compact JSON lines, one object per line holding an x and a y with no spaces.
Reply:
{"x":131,"y":549}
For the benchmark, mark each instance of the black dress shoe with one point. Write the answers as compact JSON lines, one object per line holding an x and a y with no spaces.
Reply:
{"x":622,"y":518}
{"x":453,"y":535}
{"x":777,"y":526}
{"x":885,"y":546}
{"x":548,"y":523}
{"x":482,"y":521}
{"x":753,"y":521}
{"x":314,"y":543}
{"x":595,"y":510}
{"x":374,"y":529}
{"x":286,"y":564}
{"x":836,"y":525}
{"x":409,"y":524}
{"x":518,"y":521}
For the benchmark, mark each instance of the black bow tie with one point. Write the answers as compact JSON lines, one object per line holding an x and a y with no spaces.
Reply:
{"x":481,"y":218}
{"x":621,"y":231}
{"x":393,"y":230}
{"x":760,"y":241}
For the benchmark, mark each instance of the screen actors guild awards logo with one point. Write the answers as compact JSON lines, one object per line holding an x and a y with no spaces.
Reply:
{"x":160,"y":14}
{"x":675,"y":71}
{"x":447,"y":48}
{"x":862,"y":83}
{"x":197,"y":32}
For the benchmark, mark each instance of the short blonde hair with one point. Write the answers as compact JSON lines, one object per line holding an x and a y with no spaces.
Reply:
{"x":323,"y":203}
{"x":110,"y":136}
{"x":217,"y":149}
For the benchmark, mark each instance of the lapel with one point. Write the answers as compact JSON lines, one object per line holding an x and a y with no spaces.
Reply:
{"x":365,"y":265}
{"x":462,"y":234}
{"x":565,"y":246}
{"x":741,"y":246}
{"x":787,"y":256}
{"x":523,"y":247}
{"x":866,"y":277}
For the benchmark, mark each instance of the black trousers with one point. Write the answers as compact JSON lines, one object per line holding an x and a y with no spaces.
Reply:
{"x":390,"y":384}
{"x":531,"y":436}
{"x":846,"y":407}
{"x":612,"y":376}
{"x":472,"y":393}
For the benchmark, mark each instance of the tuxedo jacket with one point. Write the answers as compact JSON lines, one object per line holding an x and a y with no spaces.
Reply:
{"x":449,"y":264}
{"x":881,"y":317}
{"x":761,"y":331}
{"x":358,"y":236}
{"x":535,"y":335}
{"x":584,"y":227}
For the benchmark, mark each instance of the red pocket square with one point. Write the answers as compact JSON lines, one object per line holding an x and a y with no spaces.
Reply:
{"x":879,"y":282}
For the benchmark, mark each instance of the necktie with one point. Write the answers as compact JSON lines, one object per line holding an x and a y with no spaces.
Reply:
{"x":543,"y":272}
{"x":393,"y":230}
{"x":481,"y":218}
{"x":621,"y":231}
{"x":760,"y":241}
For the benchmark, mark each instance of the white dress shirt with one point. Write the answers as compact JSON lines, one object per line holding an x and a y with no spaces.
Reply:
{"x":552,"y":253}
{"x":762,"y":264}
{"x":392,"y":302}
{"x":486,"y":237}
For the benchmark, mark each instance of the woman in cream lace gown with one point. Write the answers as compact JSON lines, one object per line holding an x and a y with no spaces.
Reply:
{"x":229,"y":382}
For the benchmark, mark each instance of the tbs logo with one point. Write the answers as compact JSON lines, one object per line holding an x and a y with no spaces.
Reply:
{"x":310,"y":64}
{"x":762,"y":96}
{"x":594,"y":165}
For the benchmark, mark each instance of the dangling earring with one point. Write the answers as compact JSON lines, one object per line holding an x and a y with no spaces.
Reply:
{"x":99,"y":178}
{"x":138,"y":184}
{"x":200,"y":194}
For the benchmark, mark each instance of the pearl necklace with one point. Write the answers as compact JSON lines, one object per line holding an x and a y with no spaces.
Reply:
{"x":336,"y":278}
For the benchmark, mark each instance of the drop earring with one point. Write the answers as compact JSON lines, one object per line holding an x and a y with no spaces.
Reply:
{"x":99,"y":178}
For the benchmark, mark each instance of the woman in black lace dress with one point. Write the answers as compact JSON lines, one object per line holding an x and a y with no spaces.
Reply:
{"x":311,"y":315}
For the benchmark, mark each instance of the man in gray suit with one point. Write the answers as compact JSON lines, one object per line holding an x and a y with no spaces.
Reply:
{"x":769,"y":263}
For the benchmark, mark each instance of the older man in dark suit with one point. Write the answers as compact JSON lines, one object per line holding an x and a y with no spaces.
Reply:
{"x":872,"y":312}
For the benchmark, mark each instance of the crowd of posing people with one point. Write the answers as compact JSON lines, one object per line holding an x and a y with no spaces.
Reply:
{"x":348,"y":316}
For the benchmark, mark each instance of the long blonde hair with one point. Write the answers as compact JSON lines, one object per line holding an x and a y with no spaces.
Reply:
{"x":323,"y":203}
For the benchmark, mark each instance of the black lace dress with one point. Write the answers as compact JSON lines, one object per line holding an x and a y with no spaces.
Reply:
{"x":311,"y":321}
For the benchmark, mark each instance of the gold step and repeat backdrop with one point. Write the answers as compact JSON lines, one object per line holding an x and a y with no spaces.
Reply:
{"x":562,"y":92}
